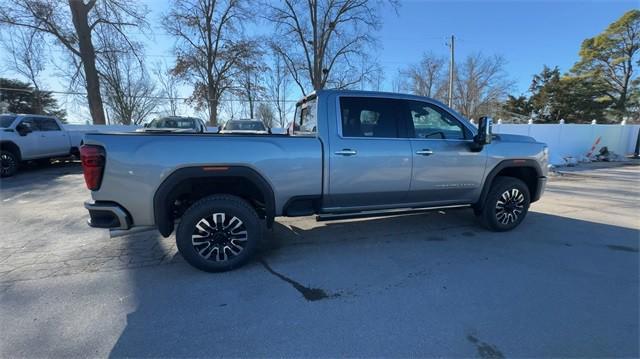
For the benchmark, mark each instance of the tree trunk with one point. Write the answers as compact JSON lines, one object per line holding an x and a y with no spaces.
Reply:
{"x":213,"y":111}
{"x":79,"y":14}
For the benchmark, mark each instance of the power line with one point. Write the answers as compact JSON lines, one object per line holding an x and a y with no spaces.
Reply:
{"x":150,"y":97}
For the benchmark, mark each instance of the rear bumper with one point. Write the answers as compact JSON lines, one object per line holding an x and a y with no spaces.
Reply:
{"x":542,"y":183}
{"x":108,"y":215}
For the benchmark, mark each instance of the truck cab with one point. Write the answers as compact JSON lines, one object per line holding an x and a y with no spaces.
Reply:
{"x":29,"y":137}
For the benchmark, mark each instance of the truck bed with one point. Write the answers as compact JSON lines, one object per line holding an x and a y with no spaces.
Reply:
{"x":140,"y":162}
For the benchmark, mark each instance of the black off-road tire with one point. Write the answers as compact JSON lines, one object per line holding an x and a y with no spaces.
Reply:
{"x":506,"y":205}
{"x":8,"y":163}
{"x":203,"y":235}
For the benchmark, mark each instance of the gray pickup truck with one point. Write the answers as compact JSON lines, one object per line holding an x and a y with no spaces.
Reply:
{"x":347,"y":153}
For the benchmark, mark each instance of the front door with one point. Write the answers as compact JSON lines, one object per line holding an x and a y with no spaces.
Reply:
{"x":370,"y":159}
{"x":445,"y":170}
{"x":30,"y":143}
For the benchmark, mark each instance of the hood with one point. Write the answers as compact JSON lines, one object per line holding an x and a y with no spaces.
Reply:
{"x":506,"y":137}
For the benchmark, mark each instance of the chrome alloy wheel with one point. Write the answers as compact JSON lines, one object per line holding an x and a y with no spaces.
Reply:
{"x":509,"y":206}
{"x":219,"y":238}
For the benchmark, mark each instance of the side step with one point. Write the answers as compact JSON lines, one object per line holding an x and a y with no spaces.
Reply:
{"x":382,"y":213}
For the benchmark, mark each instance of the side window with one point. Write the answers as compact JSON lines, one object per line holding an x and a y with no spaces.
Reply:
{"x":32,"y":123}
{"x":371,"y":117}
{"x":47,"y":124}
{"x":432,"y":122}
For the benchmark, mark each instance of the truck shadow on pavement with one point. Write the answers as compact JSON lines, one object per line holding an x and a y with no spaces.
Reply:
{"x":415,"y":285}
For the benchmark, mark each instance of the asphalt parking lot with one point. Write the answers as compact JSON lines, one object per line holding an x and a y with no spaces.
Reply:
{"x":563,"y":284}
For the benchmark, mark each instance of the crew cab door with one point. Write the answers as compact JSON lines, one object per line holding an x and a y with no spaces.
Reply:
{"x":445,"y":170}
{"x":53,"y":140}
{"x":370,"y":156}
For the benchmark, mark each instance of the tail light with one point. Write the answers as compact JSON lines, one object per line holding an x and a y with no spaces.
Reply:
{"x":93,"y":159}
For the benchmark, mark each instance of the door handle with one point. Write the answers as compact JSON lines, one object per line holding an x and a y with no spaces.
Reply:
{"x":346,"y":152}
{"x":424,"y":152}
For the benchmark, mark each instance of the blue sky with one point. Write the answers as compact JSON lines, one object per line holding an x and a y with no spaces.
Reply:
{"x":528,"y":34}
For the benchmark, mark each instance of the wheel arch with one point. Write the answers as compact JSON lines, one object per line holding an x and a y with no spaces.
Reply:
{"x":12,"y":147}
{"x":526,"y":170}
{"x":201,"y":181}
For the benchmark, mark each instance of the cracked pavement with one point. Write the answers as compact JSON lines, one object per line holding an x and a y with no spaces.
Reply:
{"x":565,"y":283}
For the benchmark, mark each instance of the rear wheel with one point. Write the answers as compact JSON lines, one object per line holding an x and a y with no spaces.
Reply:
{"x":8,"y":163}
{"x":506,"y":205}
{"x":219,"y":233}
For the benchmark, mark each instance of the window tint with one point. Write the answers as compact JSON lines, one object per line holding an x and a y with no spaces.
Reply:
{"x":47,"y":124}
{"x":6,"y":121}
{"x":371,"y":117}
{"x":431,"y":122}
{"x":31,"y":122}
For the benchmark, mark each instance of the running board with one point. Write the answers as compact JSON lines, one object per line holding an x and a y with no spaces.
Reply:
{"x":382,"y":213}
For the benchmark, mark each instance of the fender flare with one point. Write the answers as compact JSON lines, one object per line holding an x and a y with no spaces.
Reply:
{"x":162,"y":217}
{"x":511,"y":163}
{"x":13,"y":146}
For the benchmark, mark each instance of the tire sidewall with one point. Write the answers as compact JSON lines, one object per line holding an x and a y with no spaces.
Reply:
{"x":231,"y":206}
{"x":12,"y":170}
{"x":489,"y":214}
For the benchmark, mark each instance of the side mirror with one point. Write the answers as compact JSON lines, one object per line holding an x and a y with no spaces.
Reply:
{"x":23,"y":128}
{"x":485,"y":134}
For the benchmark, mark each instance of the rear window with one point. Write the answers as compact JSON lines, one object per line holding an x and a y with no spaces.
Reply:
{"x":6,"y":121}
{"x":244,"y":126}
{"x":183,"y":123}
{"x":306,"y":121}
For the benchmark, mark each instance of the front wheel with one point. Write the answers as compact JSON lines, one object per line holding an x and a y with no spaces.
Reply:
{"x":506,"y":205}
{"x":8,"y":164}
{"x":219,"y":233}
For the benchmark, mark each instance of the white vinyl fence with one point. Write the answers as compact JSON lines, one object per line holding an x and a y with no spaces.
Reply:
{"x":576,"y":140}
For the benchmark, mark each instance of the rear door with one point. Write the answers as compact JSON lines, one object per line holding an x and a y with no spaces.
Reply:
{"x":370,"y":158}
{"x":445,"y":170}
{"x":54,"y":141}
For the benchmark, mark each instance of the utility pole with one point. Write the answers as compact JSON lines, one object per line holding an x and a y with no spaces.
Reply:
{"x":451,"y":65}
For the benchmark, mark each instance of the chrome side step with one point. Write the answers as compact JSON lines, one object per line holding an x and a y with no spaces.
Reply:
{"x":382,"y":213}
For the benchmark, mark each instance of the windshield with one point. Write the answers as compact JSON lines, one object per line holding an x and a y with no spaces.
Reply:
{"x":6,"y":121}
{"x":172,"y":122}
{"x":244,"y":126}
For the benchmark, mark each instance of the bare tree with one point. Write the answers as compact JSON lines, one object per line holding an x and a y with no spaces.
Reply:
{"x":480,"y":85}
{"x":168,"y":87}
{"x":425,"y":77}
{"x":321,"y":41}
{"x":27,"y":58}
{"x":278,"y":87}
{"x":265,"y":113}
{"x":129,"y":92}
{"x":209,"y":47}
{"x":251,"y":81}
{"x":74,"y":33}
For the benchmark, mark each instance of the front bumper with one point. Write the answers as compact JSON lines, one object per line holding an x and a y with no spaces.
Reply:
{"x":108,"y":215}
{"x":542,"y":183}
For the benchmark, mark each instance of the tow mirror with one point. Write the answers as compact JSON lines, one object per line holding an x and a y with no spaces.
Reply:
{"x":484,"y":135}
{"x":24,"y":128}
